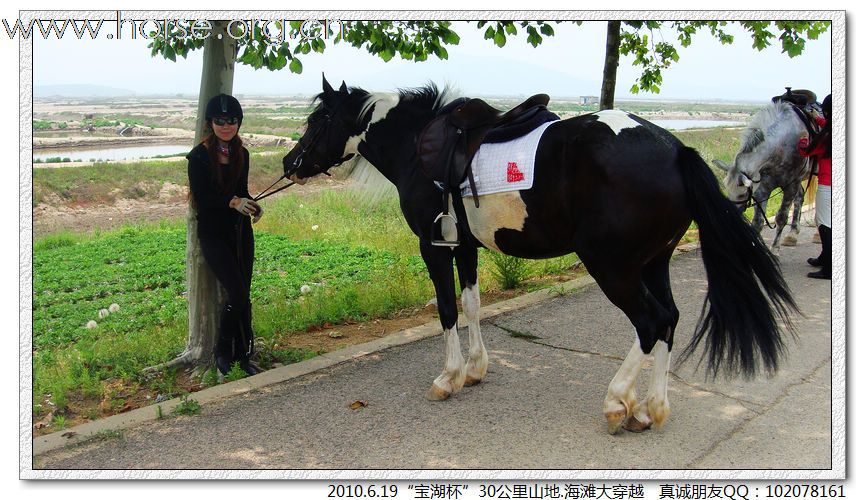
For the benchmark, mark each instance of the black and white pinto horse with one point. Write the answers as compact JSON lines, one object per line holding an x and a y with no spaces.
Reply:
{"x":768,"y":159}
{"x":612,"y":187}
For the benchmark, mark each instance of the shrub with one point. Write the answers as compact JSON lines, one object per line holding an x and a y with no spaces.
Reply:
{"x":509,"y":271}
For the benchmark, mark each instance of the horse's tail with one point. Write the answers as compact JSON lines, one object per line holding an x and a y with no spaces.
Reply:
{"x":739,"y":318}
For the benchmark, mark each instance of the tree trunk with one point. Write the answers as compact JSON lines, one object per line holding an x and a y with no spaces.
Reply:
{"x":204,"y":294}
{"x":611,"y":64}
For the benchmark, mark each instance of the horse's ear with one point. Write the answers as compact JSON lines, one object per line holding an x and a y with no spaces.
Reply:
{"x":343,"y":89}
{"x":722,"y":165}
{"x":325,"y":86}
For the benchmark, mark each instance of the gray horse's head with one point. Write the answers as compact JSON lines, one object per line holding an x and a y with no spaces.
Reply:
{"x":768,"y":147}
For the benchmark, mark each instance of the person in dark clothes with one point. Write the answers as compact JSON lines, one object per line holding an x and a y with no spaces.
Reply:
{"x":218,"y":173}
{"x":821,"y":147}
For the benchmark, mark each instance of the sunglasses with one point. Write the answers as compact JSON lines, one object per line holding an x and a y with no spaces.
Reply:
{"x":225,"y":121}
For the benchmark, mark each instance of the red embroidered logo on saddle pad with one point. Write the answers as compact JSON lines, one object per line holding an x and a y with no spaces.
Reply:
{"x":514,"y":174}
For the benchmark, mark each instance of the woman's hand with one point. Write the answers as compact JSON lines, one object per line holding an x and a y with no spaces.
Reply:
{"x":803,"y":146}
{"x":245,"y":206}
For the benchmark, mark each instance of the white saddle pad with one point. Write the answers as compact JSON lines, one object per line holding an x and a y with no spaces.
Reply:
{"x":506,"y":166}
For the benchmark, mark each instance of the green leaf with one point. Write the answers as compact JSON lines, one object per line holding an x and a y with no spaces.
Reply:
{"x":386,"y":54}
{"x":279,"y":62}
{"x":295,"y":66}
{"x":169,"y":52}
{"x":489,"y":33}
{"x":510,"y":28}
{"x":499,"y":38}
{"x":451,"y":38}
{"x":547,"y":30}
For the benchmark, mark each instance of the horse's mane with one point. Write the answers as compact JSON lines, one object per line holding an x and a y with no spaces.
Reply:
{"x":429,"y":98}
{"x":769,"y":125}
{"x":425,"y":98}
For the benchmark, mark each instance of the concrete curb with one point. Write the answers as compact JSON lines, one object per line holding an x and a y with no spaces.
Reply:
{"x":90,"y":430}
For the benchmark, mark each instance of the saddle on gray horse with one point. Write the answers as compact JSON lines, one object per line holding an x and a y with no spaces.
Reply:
{"x":805,"y":105}
{"x":798,"y":97}
{"x":447,"y":145}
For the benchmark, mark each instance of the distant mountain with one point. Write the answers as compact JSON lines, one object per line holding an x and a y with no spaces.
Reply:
{"x":81,"y":90}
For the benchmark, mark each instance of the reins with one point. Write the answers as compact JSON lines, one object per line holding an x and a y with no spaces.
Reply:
{"x":759,"y":204}
{"x":264,"y":194}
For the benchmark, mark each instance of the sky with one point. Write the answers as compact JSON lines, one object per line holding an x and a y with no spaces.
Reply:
{"x":568,"y":64}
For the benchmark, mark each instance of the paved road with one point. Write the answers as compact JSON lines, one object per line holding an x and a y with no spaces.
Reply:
{"x":539,"y":408}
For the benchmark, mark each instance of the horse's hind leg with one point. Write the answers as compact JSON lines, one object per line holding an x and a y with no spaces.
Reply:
{"x":656,"y":407}
{"x":651,"y":320}
{"x":792,"y":237}
{"x":439,"y":262}
{"x":467,"y":268}
{"x":621,"y":400}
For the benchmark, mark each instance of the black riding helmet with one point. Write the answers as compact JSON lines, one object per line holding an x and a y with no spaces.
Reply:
{"x":226,"y":106}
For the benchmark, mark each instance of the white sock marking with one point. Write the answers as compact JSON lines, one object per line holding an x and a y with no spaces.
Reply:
{"x":453,"y":376}
{"x":478,"y":359}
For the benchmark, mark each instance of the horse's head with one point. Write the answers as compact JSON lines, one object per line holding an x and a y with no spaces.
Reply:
{"x":768,"y":148}
{"x":331,"y":136}
{"x":739,"y":184}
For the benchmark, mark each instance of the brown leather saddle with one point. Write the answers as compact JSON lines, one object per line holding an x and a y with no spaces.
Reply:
{"x":798,"y":97}
{"x":805,"y":106}
{"x":448,"y":143}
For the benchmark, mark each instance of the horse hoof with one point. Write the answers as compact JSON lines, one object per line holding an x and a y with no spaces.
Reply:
{"x":658,"y":412}
{"x":615,"y":420}
{"x":636,"y":425}
{"x":470,"y":381}
{"x":436,"y":393}
{"x":789,"y":241}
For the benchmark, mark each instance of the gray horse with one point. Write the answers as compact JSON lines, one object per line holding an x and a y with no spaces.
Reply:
{"x":768,"y":159}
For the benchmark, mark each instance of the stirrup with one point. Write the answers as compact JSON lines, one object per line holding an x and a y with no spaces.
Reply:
{"x":443,"y":242}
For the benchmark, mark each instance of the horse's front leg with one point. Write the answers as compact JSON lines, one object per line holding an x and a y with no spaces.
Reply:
{"x":439,"y":262}
{"x":781,"y":221}
{"x":467,"y":268}
{"x":792,"y":237}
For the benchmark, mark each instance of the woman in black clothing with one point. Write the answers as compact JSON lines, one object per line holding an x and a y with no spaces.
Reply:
{"x":218,"y":172}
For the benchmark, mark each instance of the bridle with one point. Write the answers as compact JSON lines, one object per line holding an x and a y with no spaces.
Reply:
{"x":297,"y":161}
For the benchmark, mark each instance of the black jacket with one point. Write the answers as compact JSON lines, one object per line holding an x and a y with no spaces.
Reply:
{"x":215,"y":217}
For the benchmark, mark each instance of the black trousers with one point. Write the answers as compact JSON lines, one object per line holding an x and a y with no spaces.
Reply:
{"x":230,"y":255}
{"x":825,"y":257}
